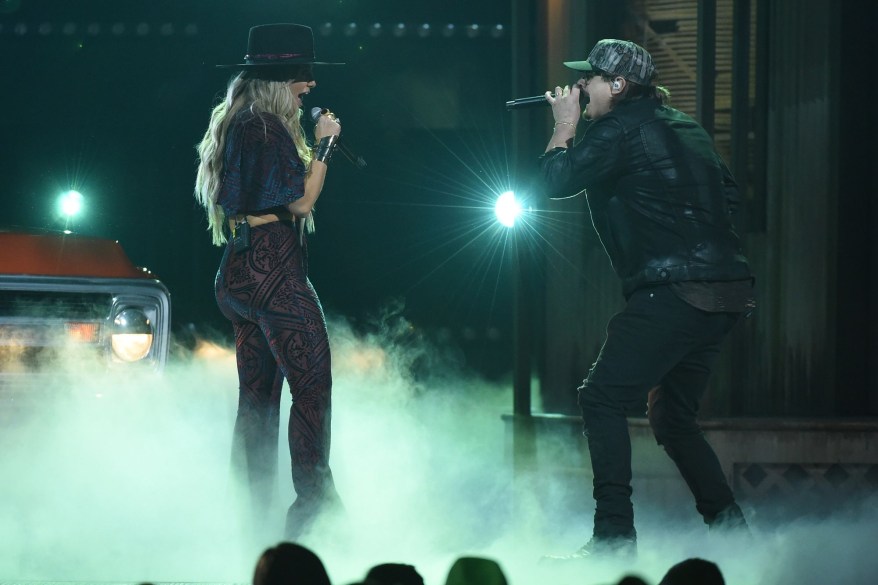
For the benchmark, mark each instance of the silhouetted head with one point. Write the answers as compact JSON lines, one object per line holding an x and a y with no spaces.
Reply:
{"x":289,"y":564}
{"x":693,"y":572}
{"x":394,"y":574}
{"x":475,"y":571}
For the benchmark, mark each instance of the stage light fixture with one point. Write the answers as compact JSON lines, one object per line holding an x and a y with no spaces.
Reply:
{"x":507,"y":209}
{"x":70,"y":203}
{"x":350,"y":29}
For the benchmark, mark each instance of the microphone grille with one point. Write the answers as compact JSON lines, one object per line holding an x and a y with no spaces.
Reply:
{"x":316,"y":113}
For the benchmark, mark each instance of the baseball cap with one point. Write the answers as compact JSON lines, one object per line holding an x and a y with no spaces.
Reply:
{"x":622,"y":58}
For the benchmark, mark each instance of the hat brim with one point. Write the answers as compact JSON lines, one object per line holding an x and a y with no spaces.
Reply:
{"x":579,"y":65}
{"x":274,"y":65}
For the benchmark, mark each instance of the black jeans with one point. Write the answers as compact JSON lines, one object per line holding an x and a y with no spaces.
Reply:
{"x":658,"y":349}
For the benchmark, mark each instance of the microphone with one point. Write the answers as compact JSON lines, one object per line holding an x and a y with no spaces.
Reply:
{"x":355,"y":159}
{"x":528,"y":102}
{"x":539,"y":100}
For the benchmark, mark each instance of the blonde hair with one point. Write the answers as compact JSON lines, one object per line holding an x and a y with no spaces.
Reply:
{"x":260,"y":96}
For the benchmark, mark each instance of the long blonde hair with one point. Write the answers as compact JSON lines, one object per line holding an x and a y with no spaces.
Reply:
{"x":261,"y":96}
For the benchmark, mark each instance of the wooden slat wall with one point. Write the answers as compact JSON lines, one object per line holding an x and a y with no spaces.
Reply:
{"x":675,"y":55}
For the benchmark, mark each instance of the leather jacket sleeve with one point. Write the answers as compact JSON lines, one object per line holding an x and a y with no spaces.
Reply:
{"x":595,"y":159}
{"x":659,"y":195}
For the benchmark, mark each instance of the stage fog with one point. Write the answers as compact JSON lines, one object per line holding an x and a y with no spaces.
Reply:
{"x":129,"y":480}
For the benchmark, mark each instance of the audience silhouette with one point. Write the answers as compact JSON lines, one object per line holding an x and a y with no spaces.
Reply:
{"x":475,"y":571}
{"x":393,"y":574}
{"x":693,"y":571}
{"x":289,"y":564}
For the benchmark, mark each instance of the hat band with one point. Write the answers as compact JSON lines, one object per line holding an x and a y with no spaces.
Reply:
{"x":274,"y":56}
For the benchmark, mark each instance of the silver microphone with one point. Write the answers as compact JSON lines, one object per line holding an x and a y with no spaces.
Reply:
{"x":355,"y":159}
{"x":540,"y":100}
{"x":528,"y":102}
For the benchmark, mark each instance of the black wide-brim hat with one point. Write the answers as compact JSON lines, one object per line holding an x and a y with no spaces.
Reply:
{"x":272,"y":46}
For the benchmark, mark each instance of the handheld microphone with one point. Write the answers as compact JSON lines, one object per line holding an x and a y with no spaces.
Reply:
{"x":540,"y":100}
{"x":355,"y":159}
{"x":528,"y":102}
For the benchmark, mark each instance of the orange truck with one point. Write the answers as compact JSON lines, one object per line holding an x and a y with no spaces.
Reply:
{"x":68,"y":300}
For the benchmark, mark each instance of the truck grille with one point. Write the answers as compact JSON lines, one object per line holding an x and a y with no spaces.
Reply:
{"x":38,"y":328}
{"x":67,"y":305}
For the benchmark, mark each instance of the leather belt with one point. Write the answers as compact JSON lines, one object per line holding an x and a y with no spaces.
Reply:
{"x":260,"y":219}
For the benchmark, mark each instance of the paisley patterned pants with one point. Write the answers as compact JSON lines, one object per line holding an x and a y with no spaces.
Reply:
{"x":280,"y":332}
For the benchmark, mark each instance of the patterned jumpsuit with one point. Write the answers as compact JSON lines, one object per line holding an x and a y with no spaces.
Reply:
{"x":279,"y":326}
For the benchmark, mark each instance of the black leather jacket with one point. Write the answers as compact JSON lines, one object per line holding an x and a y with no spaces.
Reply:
{"x":660,"y":196}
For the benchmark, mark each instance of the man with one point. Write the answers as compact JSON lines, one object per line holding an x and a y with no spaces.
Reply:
{"x":660,"y":199}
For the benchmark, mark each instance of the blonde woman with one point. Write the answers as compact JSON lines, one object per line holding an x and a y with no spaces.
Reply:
{"x":258,"y":181}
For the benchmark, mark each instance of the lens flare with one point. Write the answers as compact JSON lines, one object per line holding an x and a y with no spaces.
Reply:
{"x":70,"y":203}
{"x":507,"y":209}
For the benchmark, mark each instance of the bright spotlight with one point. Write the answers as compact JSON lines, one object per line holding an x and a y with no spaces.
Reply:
{"x":507,"y":209}
{"x":70,"y":203}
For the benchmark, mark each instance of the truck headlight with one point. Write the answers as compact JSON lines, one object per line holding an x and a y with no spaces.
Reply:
{"x":132,"y":335}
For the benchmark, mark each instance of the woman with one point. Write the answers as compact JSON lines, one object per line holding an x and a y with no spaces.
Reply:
{"x":258,"y":177}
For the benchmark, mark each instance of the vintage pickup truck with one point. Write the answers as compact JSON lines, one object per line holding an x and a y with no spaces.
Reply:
{"x":72,"y":301}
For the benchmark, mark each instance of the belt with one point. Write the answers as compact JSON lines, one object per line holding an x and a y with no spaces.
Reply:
{"x":260,"y":219}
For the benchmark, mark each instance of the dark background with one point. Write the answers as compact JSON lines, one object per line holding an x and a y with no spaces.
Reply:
{"x":115,"y":111}
{"x":110,"y":98}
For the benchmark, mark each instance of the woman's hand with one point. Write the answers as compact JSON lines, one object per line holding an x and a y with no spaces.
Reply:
{"x":327,"y":125}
